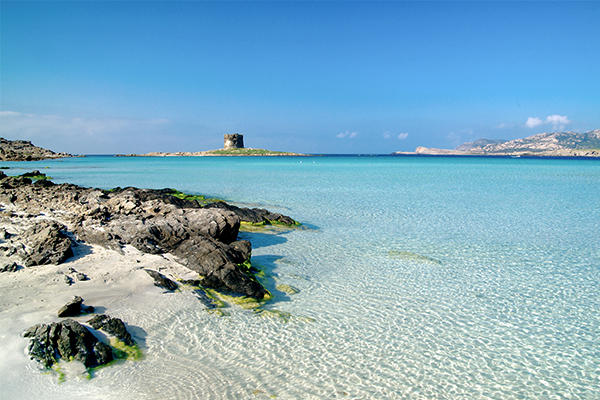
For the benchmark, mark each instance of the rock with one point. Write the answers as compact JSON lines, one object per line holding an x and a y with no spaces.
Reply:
{"x":74,"y":307}
{"x":9,"y":267}
{"x":68,"y":280}
{"x":81,"y":277}
{"x":161,"y":281}
{"x":48,"y":244}
{"x":112,"y":326}
{"x":21,"y":150}
{"x":153,"y":221}
{"x":67,"y":340}
{"x":253,"y":215}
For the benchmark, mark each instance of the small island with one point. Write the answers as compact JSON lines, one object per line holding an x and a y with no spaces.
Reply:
{"x":233,"y":146}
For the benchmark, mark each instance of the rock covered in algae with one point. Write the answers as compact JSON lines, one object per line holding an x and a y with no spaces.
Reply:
{"x":112,"y":326}
{"x":66,"y":340}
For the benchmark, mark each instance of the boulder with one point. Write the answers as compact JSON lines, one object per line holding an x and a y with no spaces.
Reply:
{"x":67,"y":340}
{"x":74,"y":307}
{"x":112,"y":326}
{"x":47,"y":244}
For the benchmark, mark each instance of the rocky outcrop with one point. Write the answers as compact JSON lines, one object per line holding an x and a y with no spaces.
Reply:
{"x":48,"y":244}
{"x":22,"y":150}
{"x":112,"y":326}
{"x":204,"y":239}
{"x":66,"y":340}
{"x":253,"y":215}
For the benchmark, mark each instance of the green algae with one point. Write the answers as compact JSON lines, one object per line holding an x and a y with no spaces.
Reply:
{"x":287,"y":289}
{"x":202,"y":200}
{"x":268,"y":225}
{"x":283,"y":316}
{"x":121,"y":351}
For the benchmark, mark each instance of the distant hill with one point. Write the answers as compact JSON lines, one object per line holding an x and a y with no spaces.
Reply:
{"x":22,"y":150}
{"x":563,"y":144}
{"x":478,"y":143}
{"x":542,"y":142}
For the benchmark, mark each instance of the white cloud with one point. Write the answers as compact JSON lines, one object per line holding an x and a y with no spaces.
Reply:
{"x":387,"y":135}
{"x":349,"y":134}
{"x":533,"y":122}
{"x":558,"y":122}
{"x":402,"y":136}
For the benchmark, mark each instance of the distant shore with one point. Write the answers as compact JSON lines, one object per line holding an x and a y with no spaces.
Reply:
{"x":593,"y":153}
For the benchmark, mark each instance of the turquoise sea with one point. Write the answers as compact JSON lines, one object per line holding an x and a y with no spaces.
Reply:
{"x":419,"y":278}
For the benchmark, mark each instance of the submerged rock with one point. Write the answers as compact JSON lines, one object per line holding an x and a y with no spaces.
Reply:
{"x":67,"y":340}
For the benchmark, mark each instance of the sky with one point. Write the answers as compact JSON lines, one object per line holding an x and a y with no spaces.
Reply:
{"x":328,"y":77}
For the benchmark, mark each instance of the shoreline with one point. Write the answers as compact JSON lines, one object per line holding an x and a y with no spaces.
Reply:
{"x":61,"y":241}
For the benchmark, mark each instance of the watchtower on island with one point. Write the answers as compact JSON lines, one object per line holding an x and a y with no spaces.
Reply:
{"x":234,"y":141}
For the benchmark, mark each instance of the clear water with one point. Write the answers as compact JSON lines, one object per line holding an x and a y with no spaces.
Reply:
{"x":425,"y":278}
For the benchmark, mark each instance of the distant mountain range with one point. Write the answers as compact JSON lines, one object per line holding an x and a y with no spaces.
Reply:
{"x":543,"y":144}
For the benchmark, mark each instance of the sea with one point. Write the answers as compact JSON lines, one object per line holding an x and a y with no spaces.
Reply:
{"x":418,"y":277}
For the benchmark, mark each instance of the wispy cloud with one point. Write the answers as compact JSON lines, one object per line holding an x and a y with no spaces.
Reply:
{"x":389,"y":135}
{"x":349,"y":134}
{"x":28,"y":125}
{"x":558,"y":122}
{"x":74,"y":133}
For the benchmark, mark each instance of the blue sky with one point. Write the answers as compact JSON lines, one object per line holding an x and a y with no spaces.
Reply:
{"x":313,"y":77}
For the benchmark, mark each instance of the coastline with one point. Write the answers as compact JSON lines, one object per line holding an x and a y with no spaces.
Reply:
{"x":193,"y":248}
{"x":567,"y":153}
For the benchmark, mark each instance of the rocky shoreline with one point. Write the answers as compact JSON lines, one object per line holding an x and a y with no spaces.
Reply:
{"x":42,"y":222}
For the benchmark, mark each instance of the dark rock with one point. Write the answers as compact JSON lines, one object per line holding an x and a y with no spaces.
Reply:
{"x":81,"y":277}
{"x":161,"y":281}
{"x":9,"y":267}
{"x":74,"y":307}
{"x":112,"y":326}
{"x":13,"y":182}
{"x":254,"y":215}
{"x":48,"y":244}
{"x":153,"y":221}
{"x":68,"y":280}
{"x":67,"y":340}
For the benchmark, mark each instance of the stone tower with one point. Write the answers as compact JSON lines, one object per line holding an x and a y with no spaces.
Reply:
{"x":234,"y":141}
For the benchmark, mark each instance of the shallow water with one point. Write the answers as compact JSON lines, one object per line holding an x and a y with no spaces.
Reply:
{"x":419,"y":277}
